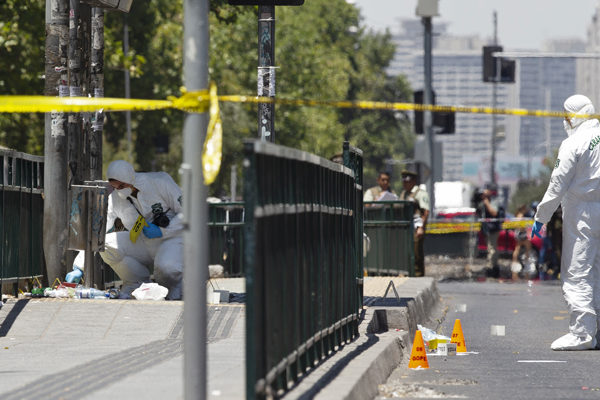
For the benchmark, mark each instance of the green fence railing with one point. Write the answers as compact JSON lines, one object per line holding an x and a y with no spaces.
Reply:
{"x":353,"y":159}
{"x":226,"y":230}
{"x":301,"y":289}
{"x":389,"y":226}
{"x":21,"y":216}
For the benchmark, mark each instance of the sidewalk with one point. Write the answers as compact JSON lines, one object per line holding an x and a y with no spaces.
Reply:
{"x":98,"y":349}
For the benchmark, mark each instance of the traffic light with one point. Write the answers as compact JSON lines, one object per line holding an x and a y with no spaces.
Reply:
{"x":507,"y":70}
{"x":418,"y":99}
{"x":443,"y":120}
{"x":490,"y":66}
{"x":266,"y":2}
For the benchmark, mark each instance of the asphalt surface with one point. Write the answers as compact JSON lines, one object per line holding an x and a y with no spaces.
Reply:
{"x":514,"y":362}
{"x":98,"y":349}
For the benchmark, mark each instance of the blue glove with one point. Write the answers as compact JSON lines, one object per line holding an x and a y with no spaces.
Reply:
{"x":74,"y":276}
{"x":152,"y":231}
{"x":535,"y":230}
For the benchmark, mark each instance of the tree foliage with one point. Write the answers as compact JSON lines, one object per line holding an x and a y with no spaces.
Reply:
{"x":154,"y":61}
{"x":322,"y":52}
{"x":22,"y":27}
{"x":528,"y":191}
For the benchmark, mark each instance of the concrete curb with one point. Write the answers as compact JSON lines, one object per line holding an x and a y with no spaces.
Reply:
{"x":386,"y":335}
{"x":360,"y":378}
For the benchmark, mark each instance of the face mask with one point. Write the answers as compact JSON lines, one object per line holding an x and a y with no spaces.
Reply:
{"x":568,"y":128}
{"x":124,"y":193}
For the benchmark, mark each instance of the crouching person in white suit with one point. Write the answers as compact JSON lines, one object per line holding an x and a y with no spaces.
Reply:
{"x":150,"y":201}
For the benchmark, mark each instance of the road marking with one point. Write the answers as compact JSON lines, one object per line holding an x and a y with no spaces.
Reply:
{"x":497,"y":330}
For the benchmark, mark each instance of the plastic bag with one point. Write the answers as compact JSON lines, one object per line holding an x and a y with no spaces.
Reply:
{"x":61,"y":291}
{"x":150,"y":291}
{"x":431,"y":338}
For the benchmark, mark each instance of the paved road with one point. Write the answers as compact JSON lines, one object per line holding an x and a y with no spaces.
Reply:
{"x":519,"y":365}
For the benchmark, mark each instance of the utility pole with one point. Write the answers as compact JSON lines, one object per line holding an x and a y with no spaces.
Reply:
{"x":195,"y":209}
{"x":75,"y":90}
{"x":494,"y":103}
{"x":547,"y":104}
{"x":266,"y":71}
{"x":127,"y":88}
{"x":55,"y":235}
{"x":97,"y":88}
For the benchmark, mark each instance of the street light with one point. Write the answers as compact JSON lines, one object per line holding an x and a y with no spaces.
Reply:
{"x":427,"y":9}
{"x":121,"y":5}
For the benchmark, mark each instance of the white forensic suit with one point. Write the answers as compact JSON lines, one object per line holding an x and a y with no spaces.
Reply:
{"x":575,"y":182}
{"x":163,"y":256}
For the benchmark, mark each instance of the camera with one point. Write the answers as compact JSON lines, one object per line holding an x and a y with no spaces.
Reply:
{"x":161,"y":219}
{"x":477,"y":197}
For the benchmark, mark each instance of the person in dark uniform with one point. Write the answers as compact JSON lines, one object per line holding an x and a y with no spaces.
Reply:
{"x":412,"y":191}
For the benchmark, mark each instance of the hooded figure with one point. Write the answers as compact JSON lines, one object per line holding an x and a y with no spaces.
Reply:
{"x":575,"y":183}
{"x":159,"y":247}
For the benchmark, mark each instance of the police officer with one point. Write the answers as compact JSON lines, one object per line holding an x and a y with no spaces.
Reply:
{"x":412,"y":191}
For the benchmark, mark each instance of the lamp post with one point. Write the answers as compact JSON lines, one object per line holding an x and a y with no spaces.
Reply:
{"x":195,"y":73}
{"x":427,"y":9}
{"x":494,"y":104}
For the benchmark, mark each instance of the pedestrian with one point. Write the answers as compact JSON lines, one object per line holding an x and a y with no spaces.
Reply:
{"x":522,"y":249}
{"x":150,"y":201}
{"x":574,"y":184}
{"x":381,"y":192}
{"x":412,"y":191}
{"x":491,"y":213}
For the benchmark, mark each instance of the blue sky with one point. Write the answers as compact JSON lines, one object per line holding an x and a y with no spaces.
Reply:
{"x":522,"y":24}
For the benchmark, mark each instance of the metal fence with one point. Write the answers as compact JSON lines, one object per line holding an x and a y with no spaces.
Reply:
{"x":226,"y":230}
{"x":389,"y":226}
{"x":353,"y":159}
{"x":452,"y":237}
{"x":302,"y":291}
{"x":21,"y":216}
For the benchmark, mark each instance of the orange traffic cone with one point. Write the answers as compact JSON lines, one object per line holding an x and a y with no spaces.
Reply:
{"x":418,"y":356}
{"x":458,"y":337}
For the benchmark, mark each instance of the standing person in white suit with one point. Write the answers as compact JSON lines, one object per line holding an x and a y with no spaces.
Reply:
{"x":575,"y":182}
{"x":158,"y":246}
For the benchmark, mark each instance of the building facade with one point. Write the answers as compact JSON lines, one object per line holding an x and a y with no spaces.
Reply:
{"x":588,"y":70}
{"x":521,"y":142}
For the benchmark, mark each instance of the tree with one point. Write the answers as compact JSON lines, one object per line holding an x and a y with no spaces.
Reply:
{"x":22,"y":24}
{"x":154,"y":61}
{"x":533,"y":190}
{"x":321,"y":53}
{"x":321,"y":50}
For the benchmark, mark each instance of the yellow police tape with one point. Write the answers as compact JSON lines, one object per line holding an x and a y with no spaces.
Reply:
{"x":207,"y":100}
{"x":458,"y":227}
{"x":199,"y":101}
{"x":213,"y":145}
{"x":381,"y":105}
